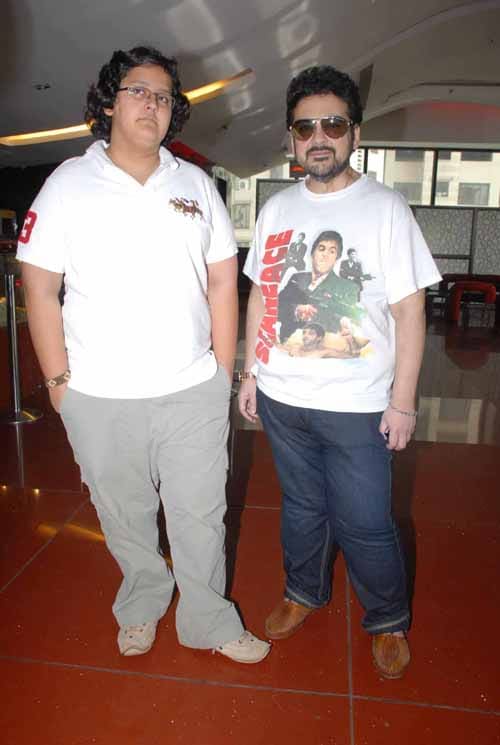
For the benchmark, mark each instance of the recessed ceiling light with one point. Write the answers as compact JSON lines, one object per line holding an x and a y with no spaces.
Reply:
{"x":206,"y":92}
{"x":46,"y":135}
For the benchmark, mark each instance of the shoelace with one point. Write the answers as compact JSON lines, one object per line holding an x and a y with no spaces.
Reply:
{"x":246,"y":636}
{"x":135,"y":629}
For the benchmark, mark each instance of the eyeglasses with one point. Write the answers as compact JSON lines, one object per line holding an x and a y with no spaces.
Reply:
{"x":332,"y":126}
{"x":139,"y":93}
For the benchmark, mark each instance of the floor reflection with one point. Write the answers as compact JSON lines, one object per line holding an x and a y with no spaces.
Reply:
{"x":467,"y":420}
{"x":460,"y":386}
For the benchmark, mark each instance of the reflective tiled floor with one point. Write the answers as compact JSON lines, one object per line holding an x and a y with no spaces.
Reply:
{"x":64,"y":683}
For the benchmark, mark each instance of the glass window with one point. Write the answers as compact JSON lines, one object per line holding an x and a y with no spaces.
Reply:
{"x":413,"y":178}
{"x":442,"y":188}
{"x":475,"y":155}
{"x":444,"y":155}
{"x":411,"y":190}
{"x":357,"y":159}
{"x":476,"y":195}
{"x":376,"y":163}
{"x":409,"y":155}
{"x":471,"y":181}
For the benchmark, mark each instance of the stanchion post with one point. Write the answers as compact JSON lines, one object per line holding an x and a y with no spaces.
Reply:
{"x":18,"y":415}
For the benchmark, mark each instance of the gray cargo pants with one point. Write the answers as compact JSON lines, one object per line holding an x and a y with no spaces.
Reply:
{"x":132,"y":450}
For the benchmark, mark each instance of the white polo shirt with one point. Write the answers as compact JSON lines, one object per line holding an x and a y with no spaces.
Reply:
{"x":134,"y":258}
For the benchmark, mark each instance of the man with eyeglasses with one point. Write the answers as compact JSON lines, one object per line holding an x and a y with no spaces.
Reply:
{"x":334,"y":421}
{"x":139,"y":361}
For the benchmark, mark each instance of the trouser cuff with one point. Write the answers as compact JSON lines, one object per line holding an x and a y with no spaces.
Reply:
{"x":300,"y":598}
{"x":389,"y":627}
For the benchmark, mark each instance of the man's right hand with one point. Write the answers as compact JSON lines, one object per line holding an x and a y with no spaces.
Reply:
{"x":305,"y":312}
{"x":247,"y":399}
{"x":56,"y":396}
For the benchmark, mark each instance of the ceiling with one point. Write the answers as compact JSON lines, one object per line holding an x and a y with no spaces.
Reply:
{"x":429,"y":71}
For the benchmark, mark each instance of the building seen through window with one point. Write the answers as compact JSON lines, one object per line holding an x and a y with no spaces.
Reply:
{"x":407,"y":171}
{"x":411,"y":190}
{"x":442,"y":188}
{"x":476,"y":195}
{"x":475,"y":155}
{"x":472,"y":178}
{"x":409,"y":155}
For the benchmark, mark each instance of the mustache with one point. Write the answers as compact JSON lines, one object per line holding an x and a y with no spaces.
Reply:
{"x":321,"y":149}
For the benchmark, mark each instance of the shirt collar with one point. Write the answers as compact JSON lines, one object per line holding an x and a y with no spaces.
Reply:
{"x":98,"y":150}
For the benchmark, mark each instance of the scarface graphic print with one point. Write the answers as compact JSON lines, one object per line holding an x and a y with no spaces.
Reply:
{"x":316,"y":313}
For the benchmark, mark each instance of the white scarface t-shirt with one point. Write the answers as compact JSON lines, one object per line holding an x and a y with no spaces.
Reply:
{"x":328,"y":267}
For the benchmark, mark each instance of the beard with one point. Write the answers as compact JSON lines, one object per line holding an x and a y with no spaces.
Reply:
{"x":324,"y":172}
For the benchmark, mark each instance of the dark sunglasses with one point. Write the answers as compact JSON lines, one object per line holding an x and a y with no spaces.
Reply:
{"x":332,"y":126}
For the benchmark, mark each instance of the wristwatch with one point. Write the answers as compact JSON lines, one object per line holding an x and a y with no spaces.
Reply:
{"x":245,"y":375}
{"x":58,"y":379}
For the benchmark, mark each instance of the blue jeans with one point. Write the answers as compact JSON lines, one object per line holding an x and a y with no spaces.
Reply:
{"x":335,"y":474}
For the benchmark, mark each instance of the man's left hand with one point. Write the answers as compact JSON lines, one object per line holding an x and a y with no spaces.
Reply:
{"x":397,"y":428}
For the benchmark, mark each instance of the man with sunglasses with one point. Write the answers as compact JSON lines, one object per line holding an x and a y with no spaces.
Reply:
{"x":333,"y":422}
{"x":139,"y":362}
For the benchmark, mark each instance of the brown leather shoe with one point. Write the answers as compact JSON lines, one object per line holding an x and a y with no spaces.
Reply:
{"x":391,"y":655}
{"x":286,"y":619}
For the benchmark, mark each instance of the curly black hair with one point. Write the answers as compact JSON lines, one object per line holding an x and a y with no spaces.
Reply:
{"x":329,"y":235}
{"x":322,"y":80}
{"x":102,"y":96}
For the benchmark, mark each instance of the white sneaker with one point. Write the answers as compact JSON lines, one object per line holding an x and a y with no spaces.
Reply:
{"x":247,"y":649}
{"x":134,"y":640}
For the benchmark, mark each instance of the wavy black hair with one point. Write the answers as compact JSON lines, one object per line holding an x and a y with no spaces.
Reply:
{"x":102,"y":95}
{"x":329,"y":235}
{"x":322,"y":80}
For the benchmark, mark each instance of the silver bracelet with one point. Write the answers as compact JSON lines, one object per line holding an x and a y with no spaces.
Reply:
{"x":405,"y":413}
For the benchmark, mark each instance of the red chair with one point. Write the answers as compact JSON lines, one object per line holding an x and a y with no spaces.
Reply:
{"x":455,"y":299}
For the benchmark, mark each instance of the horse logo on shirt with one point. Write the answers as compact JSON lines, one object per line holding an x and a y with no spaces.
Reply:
{"x":186,"y":206}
